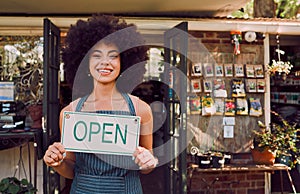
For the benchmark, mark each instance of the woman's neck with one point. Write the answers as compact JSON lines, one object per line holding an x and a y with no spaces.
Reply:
{"x":104,"y":92}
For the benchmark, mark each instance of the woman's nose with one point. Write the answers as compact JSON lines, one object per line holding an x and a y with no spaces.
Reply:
{"x":105,"y":60}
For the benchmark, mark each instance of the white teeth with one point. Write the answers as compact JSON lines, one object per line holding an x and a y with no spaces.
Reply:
{"x":104,"y":71}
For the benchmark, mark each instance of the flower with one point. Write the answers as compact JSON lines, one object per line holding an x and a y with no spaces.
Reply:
{"x":230,"y":107}
{"x":279,"y":66}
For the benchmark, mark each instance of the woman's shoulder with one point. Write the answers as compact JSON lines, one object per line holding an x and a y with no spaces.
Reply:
{"x":137,"y":101}
{"x":141,"y":107}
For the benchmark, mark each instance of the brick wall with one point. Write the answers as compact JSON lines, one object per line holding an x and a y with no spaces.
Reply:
{"x":216,"y":47}
{"x":227,"y":182}
{"x":220,"y":48}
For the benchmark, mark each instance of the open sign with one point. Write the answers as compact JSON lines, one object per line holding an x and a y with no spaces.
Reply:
{"x":100,"y":133}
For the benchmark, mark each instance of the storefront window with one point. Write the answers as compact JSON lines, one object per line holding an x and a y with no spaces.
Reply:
{"x":22,"y":63}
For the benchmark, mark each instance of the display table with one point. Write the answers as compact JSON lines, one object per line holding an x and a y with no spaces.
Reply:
{"x":14,"y":139}
{"x":232,"y":170}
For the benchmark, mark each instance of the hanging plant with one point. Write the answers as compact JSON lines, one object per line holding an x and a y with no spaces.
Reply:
{"x":12,"y":185}
{"x":279,"y":67}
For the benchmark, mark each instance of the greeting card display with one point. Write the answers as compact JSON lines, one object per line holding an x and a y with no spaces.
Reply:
{"x":208,"y":69}
{"x":239,"y":70}
{"x":255,"y":107}
{"x":260,"y":85}
{"x":196,"y":85}
{"x":207,"y":85}
{"x":194,"y":104}
{"x":251,"y":85}
{"x":197,"y":69}
{"x":229,"y":107}
{"x":228,"y":69}
{"x":220,"y":106}
{"x":259,"y":71}
{"x":219,"y":88}
{"x":241,"y":106}
{"x":250,"y":71}
{"x":238,"y":88}
{"x":219,"y":70}
{"x":208,"y":107}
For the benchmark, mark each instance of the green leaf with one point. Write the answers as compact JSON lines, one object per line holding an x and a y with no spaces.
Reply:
{"x":5,"y":181}
{"x":24,"y":182}
{"x":13,"y":189}
{"x":3,"y":186}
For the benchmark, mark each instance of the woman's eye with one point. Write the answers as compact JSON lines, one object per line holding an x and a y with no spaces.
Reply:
{"x":113,"y":56}
{"x":96,"y":56}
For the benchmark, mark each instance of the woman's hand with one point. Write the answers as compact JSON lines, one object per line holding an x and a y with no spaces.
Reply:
{"x":54,"y":154}
{"x":144,"y":158}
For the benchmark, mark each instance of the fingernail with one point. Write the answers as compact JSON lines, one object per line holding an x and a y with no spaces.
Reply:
{"x":140,"y":168}
{"x":133,"y":157}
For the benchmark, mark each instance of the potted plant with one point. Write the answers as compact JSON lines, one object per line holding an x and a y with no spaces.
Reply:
{"x":12,"y":185}
{"x":204,"y":160}
{"x":217,"y":159}
{"x":278,"y":139}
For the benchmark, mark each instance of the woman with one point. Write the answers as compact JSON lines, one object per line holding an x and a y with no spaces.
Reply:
{"x":112,"y":46}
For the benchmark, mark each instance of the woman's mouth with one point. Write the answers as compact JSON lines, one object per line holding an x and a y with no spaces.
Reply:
{"x":104,"y":71}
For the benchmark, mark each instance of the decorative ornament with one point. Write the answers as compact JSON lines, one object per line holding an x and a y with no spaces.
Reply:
{"x":236,"y":38}
{"x":194,"y":150}
{"x":250,"y":36}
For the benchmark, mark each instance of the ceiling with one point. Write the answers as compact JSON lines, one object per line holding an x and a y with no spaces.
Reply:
{"x":19,"y":17}
{"x":124,"y":7}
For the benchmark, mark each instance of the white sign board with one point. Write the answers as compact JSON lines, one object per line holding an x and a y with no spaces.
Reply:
{"x":100,"y":133}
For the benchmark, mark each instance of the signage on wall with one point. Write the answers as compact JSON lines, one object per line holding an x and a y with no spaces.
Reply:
{"x":100,"y":133}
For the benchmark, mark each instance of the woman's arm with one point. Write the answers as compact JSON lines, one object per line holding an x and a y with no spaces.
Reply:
{"x":56,"y":156}
{"x":144,"y":154}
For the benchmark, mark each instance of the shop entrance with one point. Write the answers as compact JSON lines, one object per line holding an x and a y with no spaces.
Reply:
{"x":176,"y":44}
{"x":167,"y":98}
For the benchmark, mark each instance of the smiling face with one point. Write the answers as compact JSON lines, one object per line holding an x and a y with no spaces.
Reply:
{"x":104,"y":63}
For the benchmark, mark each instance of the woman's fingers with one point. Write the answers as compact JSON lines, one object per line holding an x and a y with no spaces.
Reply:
{"x":54,"y":154}
{"x":144,"y":158}
{"x":149,"y":164}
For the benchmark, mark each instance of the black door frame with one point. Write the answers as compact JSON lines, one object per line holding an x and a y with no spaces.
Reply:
{"x":51,"y":106}
{"x":176,"y":45}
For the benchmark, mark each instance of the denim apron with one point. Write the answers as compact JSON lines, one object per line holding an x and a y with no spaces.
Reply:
{"x":103,"y":173}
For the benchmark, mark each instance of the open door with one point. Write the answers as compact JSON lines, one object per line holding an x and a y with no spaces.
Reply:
{"x":51,"y":106}
{"x":175,"y":71}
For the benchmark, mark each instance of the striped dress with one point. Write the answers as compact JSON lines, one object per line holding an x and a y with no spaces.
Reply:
{"x":102,"y":173}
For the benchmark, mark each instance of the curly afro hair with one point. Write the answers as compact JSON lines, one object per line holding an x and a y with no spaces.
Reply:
{"x":85,"y":34}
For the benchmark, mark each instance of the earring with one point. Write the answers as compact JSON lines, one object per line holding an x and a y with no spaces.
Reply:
{"x":89,"y":74}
